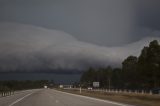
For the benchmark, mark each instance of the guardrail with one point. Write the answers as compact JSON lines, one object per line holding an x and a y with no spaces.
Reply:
{"x":124,"y":91}
{"x":6,"y":93}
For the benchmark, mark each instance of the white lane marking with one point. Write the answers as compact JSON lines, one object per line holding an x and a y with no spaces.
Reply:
{"x":19,"y":92}
{"x":91,"y":98}
{"x":18,"y":100}
{"x":15,"y":93}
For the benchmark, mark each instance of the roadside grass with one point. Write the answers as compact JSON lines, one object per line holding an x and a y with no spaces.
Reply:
{"x":132,"y":99}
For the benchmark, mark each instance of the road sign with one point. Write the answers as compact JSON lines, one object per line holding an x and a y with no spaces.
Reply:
{"x":96,"y":84}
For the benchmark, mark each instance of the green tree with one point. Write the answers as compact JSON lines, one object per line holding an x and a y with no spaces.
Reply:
{"x":88,"y":77}
{"x":137,"y":72}
{"x":130,"y":72}
{"x":149,"y":65}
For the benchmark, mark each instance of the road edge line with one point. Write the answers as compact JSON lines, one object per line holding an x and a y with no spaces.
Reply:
{"x":97,"y":99}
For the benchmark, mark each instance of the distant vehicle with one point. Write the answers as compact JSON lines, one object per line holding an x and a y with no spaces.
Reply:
{"x":156,"y":91}
{"x":89,"y":88}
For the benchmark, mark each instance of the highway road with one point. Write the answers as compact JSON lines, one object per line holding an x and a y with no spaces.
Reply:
{"x":50,"y":97}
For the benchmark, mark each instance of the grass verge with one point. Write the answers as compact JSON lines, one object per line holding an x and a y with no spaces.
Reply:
{"x":132,"y":99}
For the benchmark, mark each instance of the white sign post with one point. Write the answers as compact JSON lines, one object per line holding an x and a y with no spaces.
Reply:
{"x":80,"y":90}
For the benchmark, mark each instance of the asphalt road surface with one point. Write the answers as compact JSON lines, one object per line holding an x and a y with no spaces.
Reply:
{"x":50,"y":97}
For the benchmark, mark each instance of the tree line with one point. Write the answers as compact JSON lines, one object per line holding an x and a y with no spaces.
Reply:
{"x":13,"y":85}
{"x":141,"y":72}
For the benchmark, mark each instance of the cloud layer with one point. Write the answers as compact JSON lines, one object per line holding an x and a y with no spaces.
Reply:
{"x":30,"y":48}
{"x":93,"y":21}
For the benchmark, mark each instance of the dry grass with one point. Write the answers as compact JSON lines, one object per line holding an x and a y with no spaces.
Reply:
{"x":133,"y":99}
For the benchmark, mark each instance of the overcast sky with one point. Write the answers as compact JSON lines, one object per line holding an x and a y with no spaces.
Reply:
{"x":92,"y":21}
{"x":93,"y":25}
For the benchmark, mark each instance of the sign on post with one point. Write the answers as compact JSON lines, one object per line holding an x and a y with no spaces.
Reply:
{"x":96,"y":84}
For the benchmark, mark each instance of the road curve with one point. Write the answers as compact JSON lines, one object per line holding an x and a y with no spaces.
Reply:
{"x":50,"y":97}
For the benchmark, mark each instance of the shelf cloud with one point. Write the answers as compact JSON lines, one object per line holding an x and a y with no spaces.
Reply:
{"x":30,"y":48}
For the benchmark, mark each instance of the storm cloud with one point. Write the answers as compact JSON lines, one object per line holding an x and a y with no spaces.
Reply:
{"x":41,"y":35}
{"x":93,"y":21}
{"x":32,"y":48}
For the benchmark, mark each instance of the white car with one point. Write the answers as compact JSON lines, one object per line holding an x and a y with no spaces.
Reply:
{"x":89,"y":88}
